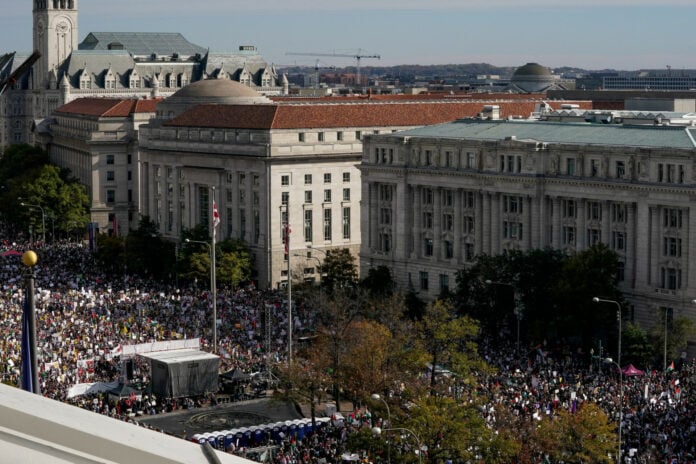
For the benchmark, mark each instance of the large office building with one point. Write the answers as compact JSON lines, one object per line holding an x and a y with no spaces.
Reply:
{"x":269,"y":163}
{"x":114,"y":65}
{"x":436,"y":197}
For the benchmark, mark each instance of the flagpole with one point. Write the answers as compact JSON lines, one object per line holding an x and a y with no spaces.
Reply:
{"x":287,"y":250}
{"x":30,"y":372}
{"x":213,"y":284}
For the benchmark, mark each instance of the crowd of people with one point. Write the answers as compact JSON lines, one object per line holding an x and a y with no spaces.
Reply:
{"x":84,"y":316}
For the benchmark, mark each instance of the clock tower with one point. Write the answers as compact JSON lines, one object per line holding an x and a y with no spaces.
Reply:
{"x":55,"y":36}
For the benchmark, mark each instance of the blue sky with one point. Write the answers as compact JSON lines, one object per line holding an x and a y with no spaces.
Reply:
{"x":592,"y":34}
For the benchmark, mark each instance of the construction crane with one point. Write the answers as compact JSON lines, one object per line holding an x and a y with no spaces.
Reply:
{"x":17,"y":73}
{"x":357,"y":56}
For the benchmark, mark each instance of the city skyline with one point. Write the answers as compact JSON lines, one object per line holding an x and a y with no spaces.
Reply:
{"x":589,"y":34}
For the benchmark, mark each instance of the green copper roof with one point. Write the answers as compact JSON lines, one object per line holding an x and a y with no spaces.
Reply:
{"x":561,"y":132}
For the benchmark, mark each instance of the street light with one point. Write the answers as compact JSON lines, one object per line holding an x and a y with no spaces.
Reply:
{"x":377,"y":397}
{"x":379,"y":430}
{"x":517,"y":309}
{"x":213,"y":288}
{"x":611,"y":361}
{"x":43,"y":219}
{"x":618,"y":364}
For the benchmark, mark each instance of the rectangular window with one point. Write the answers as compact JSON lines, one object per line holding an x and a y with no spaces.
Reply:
{"x":618,"y":212}
{"x":569,"y":235}
{"x":129,"y":160}
{"x":346,"y":194}
{"x":594,"y":211}
{"x":385,"y":193}
{"x":423,"y":280}
{"x":242,"y":179}
{"x":444,"y":283}
{"x":470,"y":160}
{"x":594,"y":167}
{"x":570,"y":166}
{"x":594,"y":236}
{"x":427,"y":220}
{"x":428,"y":246}
{"x":308,"y":196}
{"x":427,"y":196}
{"x":469,"y":252}
{"x":242,"y":223}
{"x":109,"y":159}
{"x":385,"y":242}
{"x":468,"y":224}
{"x":339,"y":136}
{"x":284,"y":197}
{"x":618,"y":241}
{"x":448,"y":247}
{"x":358,"y":135}
{"x":512,"y":204}
{"x":346,"y":223}
{"x":569,"y":209}
{"x":110,"y":196}
{"x":308,"y":179}
{"x":110,"y":175}
{"x":346,"y":177}
{"x":301,"y":136}
{"x":385,"y":216}
{"x":670,"y":278}
{"x":308,"y":225}
{"x":620,"y":169}
{"x":671,"y":246}
{"x":284,"y":180}
{"x":672,"y":218}
{"x":242,"y":196}
{"x":327,"y":224}
{"x":327,"y":196}
{"x":130,"y":175}
{"x":320,"y":136}
{"x":469,"y":200}
{"x":447,"y":198}
{"x":327,"y":178}
{"x":447,"y":222}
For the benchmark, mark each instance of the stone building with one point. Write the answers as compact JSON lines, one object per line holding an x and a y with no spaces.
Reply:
{"x":267,"y":160}
{"x":113,"y":65}
{"x":436,"y":197}
{"x":97,"y":140}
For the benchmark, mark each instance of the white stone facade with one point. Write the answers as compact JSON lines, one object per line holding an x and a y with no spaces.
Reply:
{"x":435,"y":198}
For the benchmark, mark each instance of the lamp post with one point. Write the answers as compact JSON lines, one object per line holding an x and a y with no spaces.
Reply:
{"x":377,"y":397}
{"x":618,"y":364}
{"x":213,"y":289}
{"x":30,"y":371}
{"x":379,"y":430}
{"x":611,"y":361}
{"x":517,"y":310}
{"x":43,"y":219}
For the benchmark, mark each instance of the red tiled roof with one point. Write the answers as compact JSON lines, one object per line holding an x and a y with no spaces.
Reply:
{"x":322,"y":115}
{"x":108,"y":107}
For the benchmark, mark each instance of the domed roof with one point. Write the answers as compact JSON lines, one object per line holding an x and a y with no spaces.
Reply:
{"x":216,"y":88}
{"x":532,"y":69}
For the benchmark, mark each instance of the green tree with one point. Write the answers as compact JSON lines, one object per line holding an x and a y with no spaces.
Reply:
{"x":584,"y":437}
{"x":636,"y":346}
{"x":448,"y":340}
{"x":147,"y":253}
{"x":234,"y":266}
{"x":678,"y":330}
{"x":379,"y":282}
{"x":110,"y":253}
{"x":338,"y":269}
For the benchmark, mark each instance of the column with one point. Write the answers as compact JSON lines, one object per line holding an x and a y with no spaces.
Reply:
{"x":373,"y":223}
{"x":631,"y":234}
{"x":529,"y":203}
{"x":556,"y":232}
{"x":581,"y":224}
{"x":496,"y":206}
{"x":437,"y":224}
{"x":606,"y":222}
{"x":417,"y":221}
{"x":458,"y":218}
{"x":402,"y":212}
{"x":485,"y":225}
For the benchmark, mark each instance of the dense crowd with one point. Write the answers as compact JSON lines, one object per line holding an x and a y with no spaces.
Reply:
{"x":83,"y":317}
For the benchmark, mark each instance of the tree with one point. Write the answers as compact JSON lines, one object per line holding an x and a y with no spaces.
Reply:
{"x":379,"y":282}
{"x":110,"y":253}
{"x":678,"y":330}
{"x":586,"y":436}
{"x":235,"y":264}
{"x":455,"y":431}
{"x":448,"y":340}
{"x":338,"y":269}
{"x":636,"y":346}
